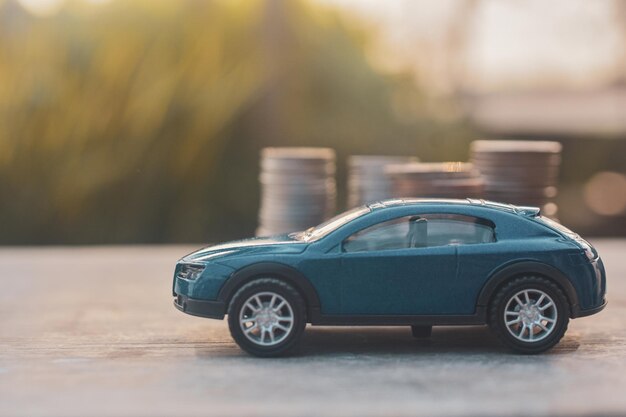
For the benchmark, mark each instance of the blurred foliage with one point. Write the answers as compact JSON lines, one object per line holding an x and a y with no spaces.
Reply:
{"x":141,"y":120}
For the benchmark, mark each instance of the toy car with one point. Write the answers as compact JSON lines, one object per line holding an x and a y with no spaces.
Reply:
{"x":405,"y":262}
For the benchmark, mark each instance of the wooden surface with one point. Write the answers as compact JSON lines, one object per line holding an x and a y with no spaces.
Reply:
{"x":92,"y":332}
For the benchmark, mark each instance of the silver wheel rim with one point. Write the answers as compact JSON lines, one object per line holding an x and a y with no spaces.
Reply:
{"x":530,"y":315}
{"x":266,"y":318}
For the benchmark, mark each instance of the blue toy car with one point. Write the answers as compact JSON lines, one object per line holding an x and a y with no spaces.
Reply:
{"x":413,"y":262}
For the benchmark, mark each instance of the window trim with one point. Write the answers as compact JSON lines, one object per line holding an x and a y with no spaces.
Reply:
{"x":432,"y":215}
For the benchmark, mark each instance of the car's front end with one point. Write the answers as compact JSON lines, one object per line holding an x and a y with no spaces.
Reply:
{"x":199,"y":276}
{"x":196,"y":286}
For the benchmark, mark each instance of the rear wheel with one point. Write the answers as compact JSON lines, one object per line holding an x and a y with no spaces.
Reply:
{"x":266,"y":317}
{"x":530,"y":314}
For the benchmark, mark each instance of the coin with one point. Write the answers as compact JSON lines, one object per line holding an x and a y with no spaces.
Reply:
{"x":298,"y":188}
{"x":435,"y":179}
{"x":517,"y":171}
{"x":367,"y":181}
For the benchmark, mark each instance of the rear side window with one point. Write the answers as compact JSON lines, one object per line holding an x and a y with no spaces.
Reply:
{"x":421,"y":231}
{"x":453,"y":229}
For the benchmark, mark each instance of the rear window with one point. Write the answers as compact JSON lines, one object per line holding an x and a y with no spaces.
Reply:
{"x":556,"y":226}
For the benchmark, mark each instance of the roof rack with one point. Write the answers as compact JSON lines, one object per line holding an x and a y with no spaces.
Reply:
{"x":523,"y":210}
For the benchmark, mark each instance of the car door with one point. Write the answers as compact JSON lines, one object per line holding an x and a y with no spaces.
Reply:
{"x":389,"y":270}
{"x":478,"y":254}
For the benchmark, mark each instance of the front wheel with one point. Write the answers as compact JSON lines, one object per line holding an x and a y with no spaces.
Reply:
{"x":530,"y":314}
{"x":267,"y":317}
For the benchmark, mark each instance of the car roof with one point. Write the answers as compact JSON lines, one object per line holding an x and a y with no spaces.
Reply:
{"x":522,"y":210}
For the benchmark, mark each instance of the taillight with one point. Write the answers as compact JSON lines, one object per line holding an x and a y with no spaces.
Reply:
{"x":587,"y":248}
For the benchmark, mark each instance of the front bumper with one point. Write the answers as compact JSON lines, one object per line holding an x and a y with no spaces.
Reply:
{"x":200,"y":308}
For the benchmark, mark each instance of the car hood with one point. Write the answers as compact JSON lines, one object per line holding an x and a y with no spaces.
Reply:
{"x":282,"y":244}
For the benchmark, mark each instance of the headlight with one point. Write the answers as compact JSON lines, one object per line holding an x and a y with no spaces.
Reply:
{"x":190,"y":272}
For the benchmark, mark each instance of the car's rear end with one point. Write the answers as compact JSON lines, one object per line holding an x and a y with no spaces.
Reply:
{"x":588,"y":264}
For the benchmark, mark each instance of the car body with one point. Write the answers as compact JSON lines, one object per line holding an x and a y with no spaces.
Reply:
{"x":414,"y":262}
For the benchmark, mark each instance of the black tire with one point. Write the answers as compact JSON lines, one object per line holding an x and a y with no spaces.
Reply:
{"x":535,"y":285}
{"x":420,"y":332}
{"x":296,"y":307}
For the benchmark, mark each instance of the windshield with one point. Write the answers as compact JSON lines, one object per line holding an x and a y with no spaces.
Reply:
{"x":318,"y":232}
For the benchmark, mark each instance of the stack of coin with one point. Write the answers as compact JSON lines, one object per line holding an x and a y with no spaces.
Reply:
{"x":367,"y":181}
{"x":519,"y":172}
{"x":435,"y":179}
{"x":297,"y":189}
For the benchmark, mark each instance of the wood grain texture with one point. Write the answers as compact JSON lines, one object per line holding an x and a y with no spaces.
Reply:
{"x":92,"y":332}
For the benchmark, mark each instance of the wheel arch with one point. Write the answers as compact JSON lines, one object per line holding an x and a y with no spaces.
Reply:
{"x":271,"y":270}
{"x":510,"y":272}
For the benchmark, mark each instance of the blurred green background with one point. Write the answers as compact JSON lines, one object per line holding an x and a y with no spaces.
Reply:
{"x":141,"y":121}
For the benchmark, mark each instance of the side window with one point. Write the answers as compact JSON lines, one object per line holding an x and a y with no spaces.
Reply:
{"x":421,"y":231}
{"x":392,"y":234}
{"x":452,"y":229}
